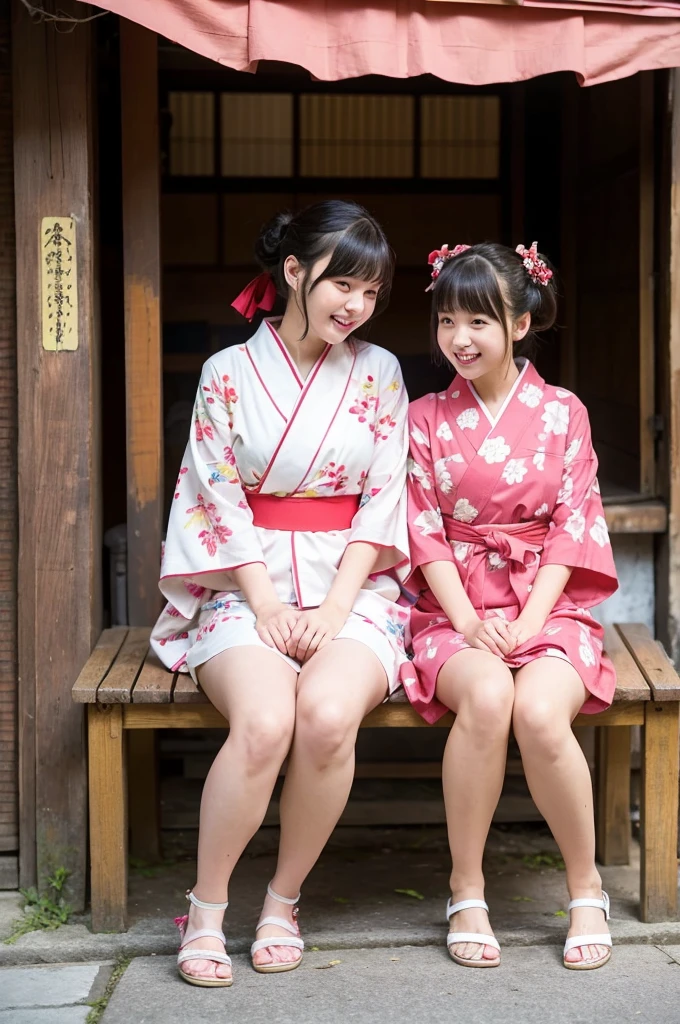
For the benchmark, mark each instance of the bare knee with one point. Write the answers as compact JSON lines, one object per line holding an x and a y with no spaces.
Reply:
{"x":326,"y":730}
{"x":486,"y":708}
{"x":263,"y":740}
{"x":538,"y":726}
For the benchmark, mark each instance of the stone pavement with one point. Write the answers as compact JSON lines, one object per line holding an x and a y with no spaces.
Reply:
{"x":54,"y":994}
{"x":641,"y":985}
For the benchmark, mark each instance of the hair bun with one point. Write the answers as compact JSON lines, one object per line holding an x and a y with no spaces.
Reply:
{"x":268,"y":245}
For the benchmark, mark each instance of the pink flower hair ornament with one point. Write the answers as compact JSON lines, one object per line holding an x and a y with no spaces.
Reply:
{"x":439,"y":257}
{"x":533,"y":264}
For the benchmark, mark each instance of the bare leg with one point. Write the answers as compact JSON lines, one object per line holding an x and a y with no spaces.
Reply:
{"x":479,"y":688}
{"x":255,"y":691}
{"x":337,"y":688}
{"x":549,"y":693}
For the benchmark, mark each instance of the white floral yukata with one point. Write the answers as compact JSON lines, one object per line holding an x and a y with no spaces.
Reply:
{"x":259,"y":429}
{"x":499,"y":497}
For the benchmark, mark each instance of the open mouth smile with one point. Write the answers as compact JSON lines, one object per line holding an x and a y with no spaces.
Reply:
{"x":467,"y":359}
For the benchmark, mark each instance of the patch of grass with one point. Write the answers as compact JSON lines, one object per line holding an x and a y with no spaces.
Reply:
{"x":99,"y":1005}
{"x":413,"y":893}
{"x":43,"y":913}
{"x":536,"y":861}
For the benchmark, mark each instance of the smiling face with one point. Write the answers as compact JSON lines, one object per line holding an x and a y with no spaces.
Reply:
{"x":473,"y":343}
{"x":336,"y":306}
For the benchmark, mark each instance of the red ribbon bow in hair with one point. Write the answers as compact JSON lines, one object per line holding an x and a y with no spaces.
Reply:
{"x":259,"y":294}
{"x":439,"y":257}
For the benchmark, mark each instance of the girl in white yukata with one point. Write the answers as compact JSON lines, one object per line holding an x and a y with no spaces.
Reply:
{"x":287,"y":531}
{"x":510,"y":550}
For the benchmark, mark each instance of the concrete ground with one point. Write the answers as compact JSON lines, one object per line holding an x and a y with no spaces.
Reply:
{"x":404,"y":983}
{"x":55,"y":994}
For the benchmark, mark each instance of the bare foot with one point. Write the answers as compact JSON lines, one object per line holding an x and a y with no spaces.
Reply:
{"x":276,"y":954}
{"x":587,"y":921}
{"x":475,"y":919}
{"x":207,"y":970}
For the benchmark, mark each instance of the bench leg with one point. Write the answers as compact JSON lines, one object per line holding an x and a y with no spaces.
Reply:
{"x":659,"y":813}
{"x":143,"y":795}
{"x":108,"y":818}
{"x":612,"y":790}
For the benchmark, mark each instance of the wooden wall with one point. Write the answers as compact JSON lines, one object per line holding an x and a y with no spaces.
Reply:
{"x":9,"y":809}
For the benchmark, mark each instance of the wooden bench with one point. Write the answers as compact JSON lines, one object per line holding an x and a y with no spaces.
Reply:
{"x":130,"y":695}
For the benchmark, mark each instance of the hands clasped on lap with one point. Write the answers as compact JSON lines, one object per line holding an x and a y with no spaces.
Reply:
{"x":499,"y":637}
{"x":299,"y":633}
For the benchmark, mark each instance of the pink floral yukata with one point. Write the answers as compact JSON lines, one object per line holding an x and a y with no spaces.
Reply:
{"x":500,"y":497}
{"x":260,"y":430}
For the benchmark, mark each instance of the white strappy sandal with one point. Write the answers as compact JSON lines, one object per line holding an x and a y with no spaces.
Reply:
{"x":201,"y":954}
{"x":589,"y":940}
{"x":277,"y":940}
{"x":454,"y":938}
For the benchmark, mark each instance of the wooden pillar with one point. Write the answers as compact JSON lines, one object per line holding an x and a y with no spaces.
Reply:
{"x":143,"y":353}
{"x":612,"y":791}
{"x":60,"y":584}
{"x":658,"y":813}
{"x":108,"y":817}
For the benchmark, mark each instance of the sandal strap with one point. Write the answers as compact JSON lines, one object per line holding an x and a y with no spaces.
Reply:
{"x":483,"y":940}
{"x":204,"y":906}
{"x":587,"y":940}
{"x":602,"y":904}
{"x":203,"y":954}
{"x":279,"y":922}
{"x":274,"y":941}
{"x":454,"y":908}
{"x":282,"y":899}
{"x":203,"y":933}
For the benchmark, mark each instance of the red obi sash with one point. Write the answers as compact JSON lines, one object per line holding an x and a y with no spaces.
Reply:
{"x":303,"y":515}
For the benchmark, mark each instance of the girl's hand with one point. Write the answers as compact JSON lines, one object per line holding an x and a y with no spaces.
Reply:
{"x":523,"y":630}
{"x":492,"y":635}
{"x":275,"y":623}
{"x":315,"y":628}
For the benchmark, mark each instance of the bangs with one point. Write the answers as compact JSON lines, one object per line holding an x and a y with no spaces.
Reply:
{"x":361,"y":252}
{"x":469,"y":283}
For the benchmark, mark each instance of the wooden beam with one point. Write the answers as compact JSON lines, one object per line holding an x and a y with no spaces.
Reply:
{"x":646,"y":322}
{"x":60,"y":581}
{"x":143,"y":350}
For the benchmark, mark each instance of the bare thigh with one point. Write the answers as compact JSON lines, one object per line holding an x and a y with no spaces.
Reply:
{"x":344,"y":680}
{"x":246,"y":683}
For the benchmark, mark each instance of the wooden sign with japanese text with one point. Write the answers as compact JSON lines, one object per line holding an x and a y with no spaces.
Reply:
{"x":59,"y":282}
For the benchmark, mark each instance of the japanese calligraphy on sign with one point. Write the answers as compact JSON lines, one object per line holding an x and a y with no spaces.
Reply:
{"x":59,"y":284}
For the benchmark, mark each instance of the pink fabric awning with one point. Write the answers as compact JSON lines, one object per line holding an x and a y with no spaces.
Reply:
{"x":473,"y":44}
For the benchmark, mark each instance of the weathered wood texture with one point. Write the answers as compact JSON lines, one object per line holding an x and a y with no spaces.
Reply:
{"x":108,"y":818}
{"x":658,"y":813}
{"x":143,"y":350}
{"x":59,"y":595}
{"x":9,"y":755}
{"x":612,"y":793}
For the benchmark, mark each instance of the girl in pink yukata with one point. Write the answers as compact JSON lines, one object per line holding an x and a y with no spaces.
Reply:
{"x":510,"y":550}
{"x":286,"y":531}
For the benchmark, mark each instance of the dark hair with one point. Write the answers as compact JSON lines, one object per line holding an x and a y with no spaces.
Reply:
{"x":491,"y":279}
{"x":345,"y":230}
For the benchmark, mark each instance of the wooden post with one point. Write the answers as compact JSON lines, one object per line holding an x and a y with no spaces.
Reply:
{"x":143,"y":353}
{"x":60,"y":583}
{"x":659,"y":813}
{"x":108,"y":817}
{"x":144,"y":795}
{"x":612,"y":791}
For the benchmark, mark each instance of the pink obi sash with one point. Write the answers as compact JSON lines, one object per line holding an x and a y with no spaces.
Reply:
{"x":520,"y":544}
{"x":303,"y":515}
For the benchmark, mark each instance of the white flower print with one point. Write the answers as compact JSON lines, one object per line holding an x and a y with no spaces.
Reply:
{"x":431,"y":651}
{"x":495,"y":561}
{"x":456,"y":457}
{"x":443,"y":477}
{"x":455,"y":394}
{"x":542,"y":510}
{"x":464,"y":512}
{"x":556,"y":418}
{"x":585,"y":651}
{"x":566,"y":492}
{"x":539,"y":459}
{"x":530,"y":395}
{"x":515,"y":471}
{"x":468,"y":419}
{"x":594,"y":488}
{"x":552,"y":630}
{"x":572,"y":451}
{"x":428,"y":521}
{"x":494,"y":449}
{"x":561,"y":393}
{"x":576,"y":526}
{"x":419,"y":474}
{"x":599,"y":532}
{"x":419,"y":437}
{"x":461,"y":551}
{"x":444,"y":432}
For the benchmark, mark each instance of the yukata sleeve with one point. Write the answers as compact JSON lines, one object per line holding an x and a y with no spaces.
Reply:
{"x":427,"y":537}
{"x":578,"y":535}
{"x":381,"y":518}
{"x":210,"y":531}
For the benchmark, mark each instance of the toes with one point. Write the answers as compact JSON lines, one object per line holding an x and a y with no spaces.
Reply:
{"x":223,"y":971}
{"x":262,"y":957}
{"x":491,"y":953}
